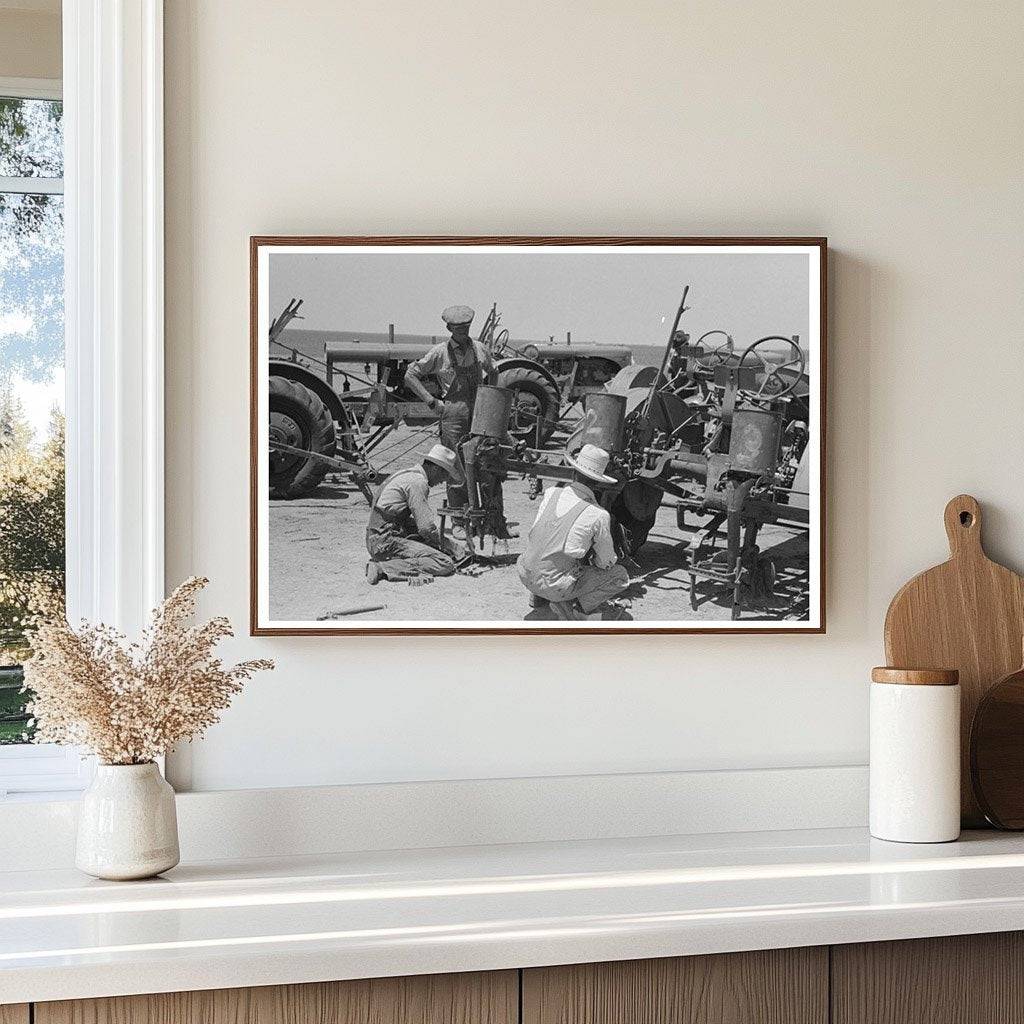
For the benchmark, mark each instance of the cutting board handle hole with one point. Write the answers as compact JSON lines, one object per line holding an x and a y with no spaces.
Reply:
{"x":962,"y":518}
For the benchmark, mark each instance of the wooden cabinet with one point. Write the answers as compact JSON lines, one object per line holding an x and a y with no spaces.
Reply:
{"x":777,"y":986}
{"x":491,"y":998}
{"x":971,"y":979}
{"x":962,"y":979}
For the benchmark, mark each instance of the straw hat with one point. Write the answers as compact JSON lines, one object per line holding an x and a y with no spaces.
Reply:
{"x":592,"y":462}
{"x":444,"y":457}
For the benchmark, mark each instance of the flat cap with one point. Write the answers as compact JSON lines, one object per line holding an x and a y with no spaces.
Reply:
{"x":455,"y":315}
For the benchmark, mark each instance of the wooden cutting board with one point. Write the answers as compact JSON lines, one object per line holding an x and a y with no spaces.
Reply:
{"x":967,"y":614}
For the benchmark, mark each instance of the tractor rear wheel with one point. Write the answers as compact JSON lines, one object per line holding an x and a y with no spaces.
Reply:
{"x":300,"y":419}
{"x":534,"y":401}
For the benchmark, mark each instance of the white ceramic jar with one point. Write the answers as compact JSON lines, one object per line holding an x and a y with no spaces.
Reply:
{"x":915,"y":755}
{"x":127,"y":824}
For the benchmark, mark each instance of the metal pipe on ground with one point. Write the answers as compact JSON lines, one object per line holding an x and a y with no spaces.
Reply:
{"x":357,"y":610}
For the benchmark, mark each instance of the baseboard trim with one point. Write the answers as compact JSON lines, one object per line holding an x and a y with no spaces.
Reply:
{"x":235,"y":824}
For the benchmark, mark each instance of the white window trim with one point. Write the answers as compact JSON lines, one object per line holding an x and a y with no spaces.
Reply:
{"x":32,"y":186}
{"x":113,"y":169}
{"x":31,"y":88}
{"x":114,"y":324}
{"x":43,"y":769}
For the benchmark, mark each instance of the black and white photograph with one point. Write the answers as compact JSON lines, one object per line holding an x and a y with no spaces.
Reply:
{"x":537,"y":435}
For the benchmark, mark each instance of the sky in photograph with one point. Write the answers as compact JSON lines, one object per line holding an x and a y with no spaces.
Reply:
{"x":614,"y":298}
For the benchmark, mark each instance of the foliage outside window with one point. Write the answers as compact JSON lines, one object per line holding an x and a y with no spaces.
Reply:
{"x":32,"y":555}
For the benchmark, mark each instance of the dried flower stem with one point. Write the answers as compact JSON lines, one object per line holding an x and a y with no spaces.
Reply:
{"x":129,"y":703}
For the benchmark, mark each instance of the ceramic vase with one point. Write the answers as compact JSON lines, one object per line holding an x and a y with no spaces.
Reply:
{"x":127,"y":825}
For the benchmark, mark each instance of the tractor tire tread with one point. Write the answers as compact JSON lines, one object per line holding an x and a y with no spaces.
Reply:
{"x":515,"y":377}
{"x":296,"y":399}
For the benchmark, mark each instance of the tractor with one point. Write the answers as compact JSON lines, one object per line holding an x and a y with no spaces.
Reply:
{"x":721,"y":435}
{"x":338,"y":411}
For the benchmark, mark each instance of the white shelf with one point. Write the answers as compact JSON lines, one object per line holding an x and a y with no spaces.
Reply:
{"x":351,"y":915}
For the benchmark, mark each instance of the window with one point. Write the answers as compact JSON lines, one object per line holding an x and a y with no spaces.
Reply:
{"x":91,"y":171}
{"x":32,"y":531}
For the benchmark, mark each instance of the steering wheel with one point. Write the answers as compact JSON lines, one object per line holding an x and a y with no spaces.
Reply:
{"x":774,"y":384}
{"x":500,"y":342}
{"x":719,"y":354}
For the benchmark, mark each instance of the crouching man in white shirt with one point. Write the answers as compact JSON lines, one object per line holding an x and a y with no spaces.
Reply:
{"x":570,"y":558}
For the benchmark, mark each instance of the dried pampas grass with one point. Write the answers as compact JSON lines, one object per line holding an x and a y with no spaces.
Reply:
{"x":129,"y":703}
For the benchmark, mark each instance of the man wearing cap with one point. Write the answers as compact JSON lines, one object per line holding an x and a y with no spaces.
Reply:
{"x":570,"y":558}
{"x":402,"y":538}
{"x":459,"y":366}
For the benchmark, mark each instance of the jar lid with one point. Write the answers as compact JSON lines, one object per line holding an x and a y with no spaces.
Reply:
{"x":916,"y":676}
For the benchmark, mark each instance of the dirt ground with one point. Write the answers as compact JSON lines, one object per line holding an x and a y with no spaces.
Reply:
{"x":318,"y":560}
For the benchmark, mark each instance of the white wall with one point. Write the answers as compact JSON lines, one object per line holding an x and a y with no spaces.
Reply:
{"x":895,"y":129}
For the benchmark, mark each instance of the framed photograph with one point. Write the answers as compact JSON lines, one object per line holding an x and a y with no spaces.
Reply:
{"x":537,"y":435}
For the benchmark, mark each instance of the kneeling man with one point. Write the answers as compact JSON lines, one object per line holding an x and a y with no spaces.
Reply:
{"x":402,"y":537}
{"x":570,"y":557}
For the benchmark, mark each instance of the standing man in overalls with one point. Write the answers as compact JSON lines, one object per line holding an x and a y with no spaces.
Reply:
{"x":459,"y":365}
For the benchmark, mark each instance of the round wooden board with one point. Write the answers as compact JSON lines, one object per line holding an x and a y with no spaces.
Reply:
{"x":997,"y":752}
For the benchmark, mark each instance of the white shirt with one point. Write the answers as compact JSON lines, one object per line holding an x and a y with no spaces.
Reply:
{"x":593,"y":526}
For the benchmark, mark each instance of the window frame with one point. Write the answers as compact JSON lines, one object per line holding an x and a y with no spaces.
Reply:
{"x":31,"y":89}
{"x":112,"y":90}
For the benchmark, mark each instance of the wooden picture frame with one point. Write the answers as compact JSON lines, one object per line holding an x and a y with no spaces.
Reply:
{"x":771,"y":499}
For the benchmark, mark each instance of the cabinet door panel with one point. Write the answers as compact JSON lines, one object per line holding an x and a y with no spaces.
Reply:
{"x":14,"y":1013}
{"x":481,"y":998}
{"x":778,"y":986}
{"x":960,"y":979}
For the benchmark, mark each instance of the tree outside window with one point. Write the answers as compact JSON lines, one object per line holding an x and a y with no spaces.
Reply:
{"x":32,"y":555}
